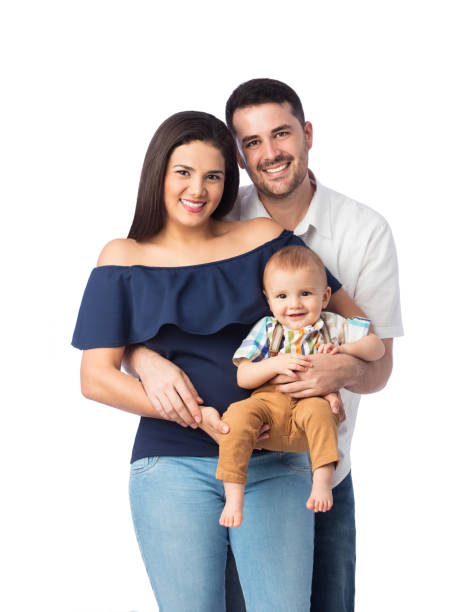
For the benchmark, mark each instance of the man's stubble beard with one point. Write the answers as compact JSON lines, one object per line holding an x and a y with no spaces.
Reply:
{"x":300,"y":172}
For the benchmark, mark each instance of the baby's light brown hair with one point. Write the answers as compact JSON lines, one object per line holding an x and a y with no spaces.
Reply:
{"x":295,"y":257}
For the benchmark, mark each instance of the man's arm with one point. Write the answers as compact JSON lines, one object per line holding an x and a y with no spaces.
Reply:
{"x":332,"y":372}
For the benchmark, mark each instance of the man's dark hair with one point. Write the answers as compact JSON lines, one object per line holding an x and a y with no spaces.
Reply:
{"x":263,"y":91}
{"x":179,"y":129}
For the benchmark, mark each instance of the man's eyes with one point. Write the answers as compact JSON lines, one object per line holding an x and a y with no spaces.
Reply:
{"x":252,"y":143}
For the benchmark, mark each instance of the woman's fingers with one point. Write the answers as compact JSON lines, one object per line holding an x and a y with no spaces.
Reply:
{"x":190,"y":398}
{"x":179,"y":409}
{"x":170,"y":413}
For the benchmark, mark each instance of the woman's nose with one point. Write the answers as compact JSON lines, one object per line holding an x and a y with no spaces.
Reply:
{"x":196,"y":187}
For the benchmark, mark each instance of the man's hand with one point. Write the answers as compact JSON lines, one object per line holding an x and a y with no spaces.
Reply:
{"x":328,"y":374}
{"x":168,"y":388}
{"x":333,"y":372}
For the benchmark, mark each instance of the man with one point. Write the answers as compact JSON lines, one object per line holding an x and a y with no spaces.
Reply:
{"x":273,"y":140}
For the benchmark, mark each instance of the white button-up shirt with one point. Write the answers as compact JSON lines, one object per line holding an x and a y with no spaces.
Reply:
{"x":356,"y":245}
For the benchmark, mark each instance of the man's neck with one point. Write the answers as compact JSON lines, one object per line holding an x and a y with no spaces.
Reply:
{"x":290,"y":210}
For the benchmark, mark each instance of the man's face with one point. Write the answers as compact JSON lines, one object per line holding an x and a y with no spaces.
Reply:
{"x":273,"y":147}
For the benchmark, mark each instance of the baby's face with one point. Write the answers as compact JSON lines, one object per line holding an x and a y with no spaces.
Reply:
{"x":296,"y":297}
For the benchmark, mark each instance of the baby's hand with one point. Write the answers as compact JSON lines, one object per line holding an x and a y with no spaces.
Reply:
{"x":328,"y":348}
{"x":288,"y":363}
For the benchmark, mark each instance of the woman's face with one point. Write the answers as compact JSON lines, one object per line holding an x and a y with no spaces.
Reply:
{"x":194,"y":183}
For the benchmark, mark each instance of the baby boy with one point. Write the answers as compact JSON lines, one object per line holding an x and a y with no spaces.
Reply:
{"x":295,"y":286}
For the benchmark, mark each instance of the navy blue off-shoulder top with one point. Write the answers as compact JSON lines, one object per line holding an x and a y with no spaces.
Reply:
{"x":196,"y":316}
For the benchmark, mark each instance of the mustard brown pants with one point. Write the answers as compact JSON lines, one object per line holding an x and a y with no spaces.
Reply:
{"x":296,"y":425}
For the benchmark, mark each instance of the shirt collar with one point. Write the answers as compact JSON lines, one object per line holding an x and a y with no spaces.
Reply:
{"x":307,"y":329}
{"x":318,"y":213}
{"x":317,"y":216}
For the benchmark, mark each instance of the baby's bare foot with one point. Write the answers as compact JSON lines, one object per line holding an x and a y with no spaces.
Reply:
{"x":320,"y":499}
{"x":231,"y":516}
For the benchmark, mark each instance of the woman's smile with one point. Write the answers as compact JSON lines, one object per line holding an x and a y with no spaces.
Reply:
{"x":193,"y":206}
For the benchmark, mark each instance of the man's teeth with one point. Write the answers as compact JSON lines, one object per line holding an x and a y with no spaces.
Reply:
{"x":277,"y":169}
{"x":192,"y":204}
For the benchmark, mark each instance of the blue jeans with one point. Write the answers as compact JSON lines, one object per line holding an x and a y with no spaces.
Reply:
{"x":176,"y":503}
{"x":333,"y":582}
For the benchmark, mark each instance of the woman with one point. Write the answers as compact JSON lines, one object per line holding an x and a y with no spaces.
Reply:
{"x":187,"y":284}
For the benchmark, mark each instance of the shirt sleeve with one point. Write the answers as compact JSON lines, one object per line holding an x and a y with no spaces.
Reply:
{"x":256,"y":345}
{"x":355,"y":328}
{"x":377,"y":287}
{"x":340,"y":330}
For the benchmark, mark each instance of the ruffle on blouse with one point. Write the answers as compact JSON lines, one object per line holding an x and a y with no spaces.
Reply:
{"x":125,"y":305}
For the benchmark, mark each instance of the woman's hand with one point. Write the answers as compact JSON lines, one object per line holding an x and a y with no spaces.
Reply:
{"x":168,"y":388}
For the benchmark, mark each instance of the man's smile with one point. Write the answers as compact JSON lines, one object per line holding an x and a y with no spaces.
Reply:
{"x":277,"y":169}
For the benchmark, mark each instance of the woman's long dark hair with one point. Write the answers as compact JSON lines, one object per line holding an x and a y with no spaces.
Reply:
{"x":175,"y":131}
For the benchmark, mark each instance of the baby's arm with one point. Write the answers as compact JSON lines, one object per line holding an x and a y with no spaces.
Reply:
{"x":369,"y":348}
{"x":252,"y":374}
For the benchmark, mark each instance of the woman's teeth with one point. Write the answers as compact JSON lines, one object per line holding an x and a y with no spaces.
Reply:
{"x":192,"y":204}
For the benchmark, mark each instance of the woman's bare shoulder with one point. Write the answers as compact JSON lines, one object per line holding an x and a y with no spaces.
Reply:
{"x":119,"y":252}
{"x":255,"y":232}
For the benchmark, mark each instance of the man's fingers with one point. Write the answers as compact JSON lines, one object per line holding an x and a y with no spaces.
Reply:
{"x":302,"y":394}
{"x":292,"y":387}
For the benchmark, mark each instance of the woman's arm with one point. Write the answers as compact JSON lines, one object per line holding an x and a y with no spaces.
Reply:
{"x":168,"y":388}
{"x":102,"y":380}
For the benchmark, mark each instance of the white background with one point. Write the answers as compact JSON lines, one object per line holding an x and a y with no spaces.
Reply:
{"x":85,"y":85}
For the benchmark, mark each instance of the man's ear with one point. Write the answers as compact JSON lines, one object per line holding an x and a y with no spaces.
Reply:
{"x":326,"y":297}
{"x":240,"y":159}
{"x":308,"y":132}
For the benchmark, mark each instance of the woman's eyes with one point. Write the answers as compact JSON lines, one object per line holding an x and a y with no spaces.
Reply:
{"x":211,"y":177}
